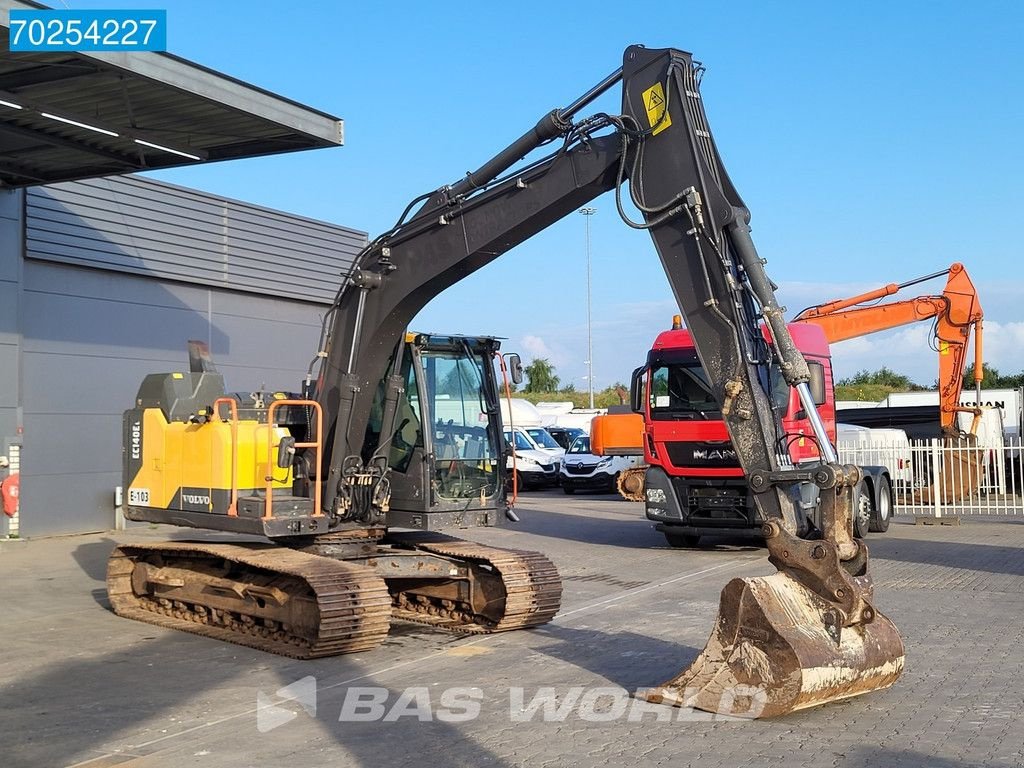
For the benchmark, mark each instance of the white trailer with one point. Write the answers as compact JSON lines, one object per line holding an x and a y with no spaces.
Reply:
{"x":879,"y":447}
{"x":1009,"y":402}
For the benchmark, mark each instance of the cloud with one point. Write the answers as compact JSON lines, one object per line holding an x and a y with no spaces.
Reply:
{"x":1003,"y":345}
{"x":625,"y":326}
{"x":908,"y":350}
{"x":534,"y":347}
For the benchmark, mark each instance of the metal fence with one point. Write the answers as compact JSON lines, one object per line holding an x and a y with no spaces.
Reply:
{"x":933,"y":478}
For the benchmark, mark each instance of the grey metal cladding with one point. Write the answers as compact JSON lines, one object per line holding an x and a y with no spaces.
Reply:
{"x":134,"y":224}
{"x":90,"y":337}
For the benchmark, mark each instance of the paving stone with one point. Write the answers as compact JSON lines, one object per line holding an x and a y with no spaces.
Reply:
{"x":78,"y":684}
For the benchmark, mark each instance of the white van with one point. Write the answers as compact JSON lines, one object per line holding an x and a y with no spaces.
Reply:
{"x":535,"y":465}
{"x":580,"y":469}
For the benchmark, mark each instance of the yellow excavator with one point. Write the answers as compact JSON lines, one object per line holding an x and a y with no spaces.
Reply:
{"x":395,"y":435}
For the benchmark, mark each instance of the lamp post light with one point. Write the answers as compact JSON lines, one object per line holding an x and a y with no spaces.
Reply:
{"x":587,"y":213}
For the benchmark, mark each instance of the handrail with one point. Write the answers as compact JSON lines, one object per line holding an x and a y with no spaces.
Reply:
{"x":317,"y":446}
{"x":233,"y":506}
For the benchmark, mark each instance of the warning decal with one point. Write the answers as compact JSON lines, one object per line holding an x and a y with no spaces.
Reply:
{"x":654,"y":103}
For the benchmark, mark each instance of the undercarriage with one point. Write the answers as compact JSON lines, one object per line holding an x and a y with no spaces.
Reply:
{"x":333,"y":594}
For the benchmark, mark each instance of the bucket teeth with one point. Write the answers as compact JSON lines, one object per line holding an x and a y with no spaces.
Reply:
{"x":774,"y":651}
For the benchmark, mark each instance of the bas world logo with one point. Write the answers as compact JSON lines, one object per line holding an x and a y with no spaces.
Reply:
{"x":270,"y":710}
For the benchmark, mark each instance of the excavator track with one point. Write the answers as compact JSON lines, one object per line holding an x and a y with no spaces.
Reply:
{"x":531,"y":584}
{"x":265,"y":597}
{"x":631,"y":483}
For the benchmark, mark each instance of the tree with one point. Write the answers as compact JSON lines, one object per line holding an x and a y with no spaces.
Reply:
{"x":541,"y":375}
{"x":569,"y":388}
{"x":992,"y":379}
{"x":883,"y":376}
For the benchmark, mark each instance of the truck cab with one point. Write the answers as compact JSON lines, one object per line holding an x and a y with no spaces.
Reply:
{"x":694,"y":483}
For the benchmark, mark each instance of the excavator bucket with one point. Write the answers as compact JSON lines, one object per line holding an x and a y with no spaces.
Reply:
{"x":959,"y":474}
{"x":777,"y":648}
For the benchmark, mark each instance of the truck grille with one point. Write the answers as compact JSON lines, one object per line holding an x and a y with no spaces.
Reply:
{"x":583,"y":469}
{"x":701,"y":454}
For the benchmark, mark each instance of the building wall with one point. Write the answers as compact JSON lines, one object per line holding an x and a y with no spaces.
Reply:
{"x":11,"y":209}
{"x":118,"y":274}
{"x":10,"y":276}
{"x":143,"y":227}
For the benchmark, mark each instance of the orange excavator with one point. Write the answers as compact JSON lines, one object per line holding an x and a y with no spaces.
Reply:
{"x":956,"y":311}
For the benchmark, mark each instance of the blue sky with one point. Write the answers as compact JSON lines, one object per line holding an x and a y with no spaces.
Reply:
{"x":872,"y":141}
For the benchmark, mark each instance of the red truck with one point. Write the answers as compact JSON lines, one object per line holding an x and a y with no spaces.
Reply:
{"x":693,"y":484}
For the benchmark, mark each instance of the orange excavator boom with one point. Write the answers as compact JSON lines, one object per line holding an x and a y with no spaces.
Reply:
{"x":956,"y":311}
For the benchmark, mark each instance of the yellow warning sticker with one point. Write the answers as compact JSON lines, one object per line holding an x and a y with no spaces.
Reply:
{"x":654,"y":103}
{"x":943,"y":347}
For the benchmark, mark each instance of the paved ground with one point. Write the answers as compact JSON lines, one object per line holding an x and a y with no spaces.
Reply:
{"x":79,"y":686}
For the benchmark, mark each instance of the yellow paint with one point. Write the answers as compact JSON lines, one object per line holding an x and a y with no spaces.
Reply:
{"x":180,"y":455}
{"x":654,"y":103}
{"x":943,"y":347}
{"x":177,"y":375}
{"x":468,"y":650}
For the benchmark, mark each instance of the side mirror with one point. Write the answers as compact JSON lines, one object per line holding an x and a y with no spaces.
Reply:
{"x":515,"y":368}
{"x":286,"y":452}
{"x":817,"y":382}
{"x":636,"y":389}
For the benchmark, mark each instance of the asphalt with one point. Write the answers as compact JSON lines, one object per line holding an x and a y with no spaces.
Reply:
{"x":82,"y":687}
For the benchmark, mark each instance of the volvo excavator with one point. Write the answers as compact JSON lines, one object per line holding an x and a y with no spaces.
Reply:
{"x":400,"y":432}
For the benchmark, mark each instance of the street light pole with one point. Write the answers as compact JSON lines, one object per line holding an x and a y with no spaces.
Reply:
{"x":587,"y":213}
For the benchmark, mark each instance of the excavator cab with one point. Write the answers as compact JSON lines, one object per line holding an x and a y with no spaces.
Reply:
{"x":445,"y":453}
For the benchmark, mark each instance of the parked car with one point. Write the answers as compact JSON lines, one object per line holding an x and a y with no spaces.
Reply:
{"x":535,"y":466}
{"x":582,"y":469}
{"x":564,"y":435}
{"x":544,"y":441}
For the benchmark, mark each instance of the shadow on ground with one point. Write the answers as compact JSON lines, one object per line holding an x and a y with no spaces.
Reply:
{"x":990,"y":558}
{"x":141,"y":696}
{"x":92,"y":557}
{"x":627,"y":659}
{"x":626,"y":532}
{"x":874,"y":757}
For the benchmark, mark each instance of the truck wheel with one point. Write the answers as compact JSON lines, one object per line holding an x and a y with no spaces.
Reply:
{"x":521,"y":482}
{"x":568,"y":490}
{"x":682,"y":540}
{"x":881,"y":516}
{"x":863,"y":509}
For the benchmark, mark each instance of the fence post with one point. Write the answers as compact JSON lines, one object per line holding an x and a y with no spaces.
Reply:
{"x":937,"y":477}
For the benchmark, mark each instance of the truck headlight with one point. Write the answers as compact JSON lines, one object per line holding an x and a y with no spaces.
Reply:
{"x":605,"y":461}
{"x":526,"y":460}
{"x":656,"y":496}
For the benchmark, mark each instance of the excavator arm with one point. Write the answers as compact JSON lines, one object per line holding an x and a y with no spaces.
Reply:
{"x":662,"y":146}
{"x":956,"y":311}
{"x":810,"y":633}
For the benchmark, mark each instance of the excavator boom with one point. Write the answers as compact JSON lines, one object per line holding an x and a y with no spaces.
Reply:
{"x":957,"y":310}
